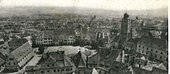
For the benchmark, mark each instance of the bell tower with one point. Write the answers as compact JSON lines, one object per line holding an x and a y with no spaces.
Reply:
{"x":125,"y":25}
{"x":125,"y":30}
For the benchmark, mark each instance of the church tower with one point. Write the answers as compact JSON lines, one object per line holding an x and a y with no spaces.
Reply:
{"x":125,"y":23}
{"x":125,"y":30}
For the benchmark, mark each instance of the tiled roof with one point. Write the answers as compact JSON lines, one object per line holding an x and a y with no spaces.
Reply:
{"x":22,"y":51}
{"x":48,"y":34}
{"x":116,"y":39}
{"x":133,"y":40}
{"x":138,"y":70}
{"x":79,"y":59}
{"x":153,"y":42}
{"x":111,"y":56}
{"x":56,"y":57}
{"x":15,"y":43}
{"x":2,"y":59}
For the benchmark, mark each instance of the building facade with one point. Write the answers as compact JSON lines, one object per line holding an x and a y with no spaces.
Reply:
{"x":52,"y":63}
{"x":154,"y":48}
{"x":19,"y":58}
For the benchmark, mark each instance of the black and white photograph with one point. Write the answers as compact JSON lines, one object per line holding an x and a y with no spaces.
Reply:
{"x":84,"y":37}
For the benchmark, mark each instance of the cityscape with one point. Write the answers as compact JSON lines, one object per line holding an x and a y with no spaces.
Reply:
{"x":72,"y":43}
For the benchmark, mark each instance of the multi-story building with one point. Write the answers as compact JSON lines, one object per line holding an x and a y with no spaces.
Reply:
{"x":154,"y":48}
{"x":2,"y":61}
{"x":55,"y":37}
{"x":125,"y":25}
{"x":18,"y":58}
{"x":52,"y":63}
{"x":45,"y":38}
{"x":105,"y":60}
{"x":125,"y":30}
{"x":131,"y":44}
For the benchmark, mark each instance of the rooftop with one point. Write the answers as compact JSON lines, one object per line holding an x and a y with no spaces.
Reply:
{"x":22,"y":51}
{"x":154,"y":42}
{"x":69,"y":50}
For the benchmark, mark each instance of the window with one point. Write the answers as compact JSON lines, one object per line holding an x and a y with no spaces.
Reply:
{"x":161,"y":52}
{"x":90,"y":65}
{"x":146,"y":52}
{"x":62,"y":69}
{"x":47,"y":65}
{"x":48,"y":71}
{"x":42,"y":71}
{"x":147,"y":48}
{"x":54,"y":70}
{"x":9,"y":63}
{"x":155,"y":56}
{"x":67,"y":69}
{"x":58,"y":70}
{"x":156,"y":51}
{"x":142,"y":51}
{"x":53,"y":65}
{"x":160,"y":57}
{"x":11,"y":59}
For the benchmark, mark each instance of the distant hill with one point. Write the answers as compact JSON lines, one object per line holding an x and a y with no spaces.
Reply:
{"x":10,"y":11}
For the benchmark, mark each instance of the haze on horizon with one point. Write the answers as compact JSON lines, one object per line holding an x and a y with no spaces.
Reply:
{"x":94,"y":4}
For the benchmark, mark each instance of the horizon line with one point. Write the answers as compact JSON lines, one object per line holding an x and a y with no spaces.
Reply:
{"x":83,"y":8}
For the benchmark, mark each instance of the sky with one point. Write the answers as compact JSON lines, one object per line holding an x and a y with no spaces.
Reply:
{"x":95,"y":4}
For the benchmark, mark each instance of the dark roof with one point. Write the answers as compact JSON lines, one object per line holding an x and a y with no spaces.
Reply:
{"x":116,"y":39}
{"x":79,"y":59}
{"x":48,"y":33}
{"x":119,"y":68}
{"x":56,"y":57}
{"x":22,"y":51}
{"x":157,"y":70}
{"x":2,"y":59}
{"x":105,"y":57}
{"x":64,"y":31}
{"x":110,"y":57}
{"x":2,"y":56}
{"x":138,"y":70}
{"x":154,"y":42}
{"x":52,"y":57}
{"x":15,"y":43}
{"x":86,"y":70}
{"x":133,"y":40}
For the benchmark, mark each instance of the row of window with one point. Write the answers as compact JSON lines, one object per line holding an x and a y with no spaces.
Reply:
{"x":48,"y":38}
{"x":148,"y":52}
{"x":58,"y":70}
{"x":54,"y":38}
{"x":38,"y":40}
{"x":151,"y":50}
{"x":158,"y":57}
{"x":10,"y":63}
{"x":143,"y":47}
